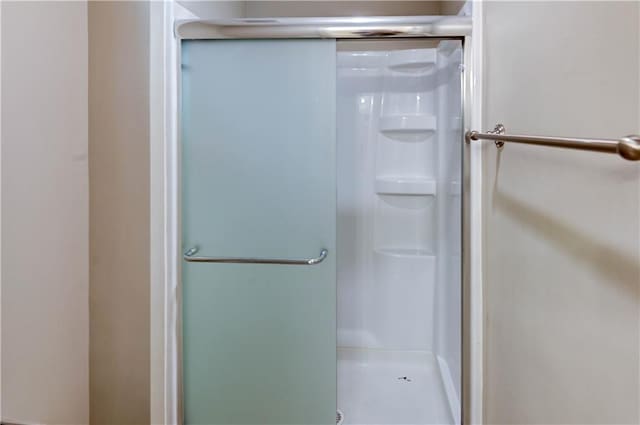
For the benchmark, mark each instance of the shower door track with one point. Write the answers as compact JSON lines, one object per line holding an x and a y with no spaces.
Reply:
{"x":338,"y":28}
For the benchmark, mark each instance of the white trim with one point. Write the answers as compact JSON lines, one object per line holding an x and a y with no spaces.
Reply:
{"x":156,"y":210}
{"x":164,"y":242}
{"x":475,"y":237}
{"x":173,"y":363}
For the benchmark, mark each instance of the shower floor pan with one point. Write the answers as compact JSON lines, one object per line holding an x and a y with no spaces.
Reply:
{"x":391,"y":388}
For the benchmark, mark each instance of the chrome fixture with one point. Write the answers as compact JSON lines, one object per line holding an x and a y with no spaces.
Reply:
{"x":498,"y":129}
{"x":627,"y":147}
{"x":342,"y":27}
{"x":189,"y":256}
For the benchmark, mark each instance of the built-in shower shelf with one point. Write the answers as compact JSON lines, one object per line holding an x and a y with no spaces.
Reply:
{"x":408,"y":128}
{"x":361,"y":64}
{"x":361,"y":60}
{"x":405,"y":186}
{"x":415,"y":61}
{"x":359,"y":72}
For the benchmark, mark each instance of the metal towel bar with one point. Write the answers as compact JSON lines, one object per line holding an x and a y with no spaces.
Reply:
{"x":627,"y":147}
{"x":189,"y":256}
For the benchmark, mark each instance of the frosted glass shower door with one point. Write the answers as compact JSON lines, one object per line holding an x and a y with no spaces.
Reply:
{"x":258,"y":181}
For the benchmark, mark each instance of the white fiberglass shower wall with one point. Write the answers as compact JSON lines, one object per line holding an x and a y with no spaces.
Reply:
{"x":398,"y":231}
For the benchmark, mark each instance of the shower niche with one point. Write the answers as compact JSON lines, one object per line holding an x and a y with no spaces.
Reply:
{"x":398,"y":232}
{"x":321,"y":231}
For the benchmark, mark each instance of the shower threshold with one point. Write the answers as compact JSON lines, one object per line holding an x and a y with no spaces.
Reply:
{"x":390,"y":388}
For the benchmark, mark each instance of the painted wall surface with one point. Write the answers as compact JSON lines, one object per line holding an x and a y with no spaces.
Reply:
{"x":305,"y":8}
{"x":119,"y":211}
{"x":451,"y":7}
{"x":214,"y":9}
{"x":562,"y":228}
{"x":257,"y":9}
{"x":45,"y":279}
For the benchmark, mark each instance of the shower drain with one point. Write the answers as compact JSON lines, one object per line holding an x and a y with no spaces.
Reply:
{"x":339,"y":417}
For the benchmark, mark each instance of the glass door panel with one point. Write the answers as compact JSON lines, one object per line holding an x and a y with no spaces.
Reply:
{"x":258,"y":181}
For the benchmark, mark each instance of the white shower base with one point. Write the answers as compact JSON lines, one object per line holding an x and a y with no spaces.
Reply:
{"x":371,"y":388}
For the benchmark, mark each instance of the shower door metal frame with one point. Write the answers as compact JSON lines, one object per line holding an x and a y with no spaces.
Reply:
{"x":336,"y":28}
{"x":166,"y":262}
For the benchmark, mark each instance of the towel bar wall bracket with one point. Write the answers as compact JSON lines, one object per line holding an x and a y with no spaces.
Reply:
{"x":627,"y":147}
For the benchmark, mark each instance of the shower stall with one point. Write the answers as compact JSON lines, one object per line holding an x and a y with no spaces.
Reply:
{"x":321,"y":216}
{"x":398,"y":231}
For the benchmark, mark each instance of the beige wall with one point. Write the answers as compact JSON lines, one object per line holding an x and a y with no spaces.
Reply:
{"x":451,"y":7}
{"x":562,"y":227}
{"x":45,"y":282}
{"x":256,"y":9}
{"x":302,"y":8}
{"x":214,"y":9}
{"x":119,"y":211}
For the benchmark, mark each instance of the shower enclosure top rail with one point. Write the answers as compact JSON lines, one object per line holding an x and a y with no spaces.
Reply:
{"x":627,"y":147}
{"x":342,"y":27}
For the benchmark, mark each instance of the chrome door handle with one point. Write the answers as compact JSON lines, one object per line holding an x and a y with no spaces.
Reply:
{"x":189,"y":256}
